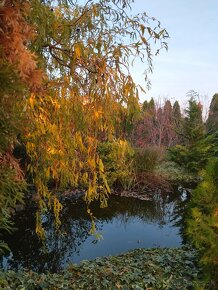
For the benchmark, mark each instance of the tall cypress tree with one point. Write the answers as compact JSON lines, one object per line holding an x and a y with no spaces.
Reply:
{"x":177,"y":116}
{"x":145,"y":106}
{"x":148,"y":106}
{"x":212,"y":121}
{"x":177,"y":120}
{"x":151,"y":105}
{"x":168,"y":107}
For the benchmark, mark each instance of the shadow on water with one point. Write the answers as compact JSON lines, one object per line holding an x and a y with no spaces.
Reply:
{"x":126,"y":224}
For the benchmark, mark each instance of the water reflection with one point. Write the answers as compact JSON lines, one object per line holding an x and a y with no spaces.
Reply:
{"x":125,"y":224}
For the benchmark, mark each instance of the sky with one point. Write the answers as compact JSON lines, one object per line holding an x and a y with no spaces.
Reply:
{"x":191,"y":62}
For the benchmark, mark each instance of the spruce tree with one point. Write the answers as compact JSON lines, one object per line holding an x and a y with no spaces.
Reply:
{"x":193,"y":153}
{"x":193,"y":126}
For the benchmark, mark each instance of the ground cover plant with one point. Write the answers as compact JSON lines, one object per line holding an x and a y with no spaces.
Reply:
{"x":138,"y":269}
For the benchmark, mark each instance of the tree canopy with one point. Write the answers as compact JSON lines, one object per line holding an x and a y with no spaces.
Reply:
{"x":65,"y":75}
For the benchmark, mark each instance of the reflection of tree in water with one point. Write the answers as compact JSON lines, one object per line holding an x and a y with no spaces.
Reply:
{"x":28,"y":250}
{"x":68,"y":240}
{"x":159,"y":210}
{"x":61,"y":246}
{"x":179,"y":217}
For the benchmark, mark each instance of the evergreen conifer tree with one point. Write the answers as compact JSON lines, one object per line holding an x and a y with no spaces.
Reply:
{"x":151,"y":105}
{"x":212,"y":121}
{"x":193,"y":127}
{"x":177,"y":116}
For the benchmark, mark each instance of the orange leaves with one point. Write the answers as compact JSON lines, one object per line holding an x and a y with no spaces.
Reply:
{"x":98,"y":113}
{"x":91,"y":163}
{"x":14,"y":36}
{"x":9,"y":160}
{"x":32,"y":101}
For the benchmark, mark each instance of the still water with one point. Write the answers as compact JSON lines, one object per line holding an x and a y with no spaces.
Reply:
{"x":126,"y":224}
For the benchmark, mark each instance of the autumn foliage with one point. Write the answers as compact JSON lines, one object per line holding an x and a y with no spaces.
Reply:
{"x":18,"y":76}
{"x":65,"y":87}
{"x":15,"y":34}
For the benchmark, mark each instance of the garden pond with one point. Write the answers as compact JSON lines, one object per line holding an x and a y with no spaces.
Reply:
{"x":126,"y":224}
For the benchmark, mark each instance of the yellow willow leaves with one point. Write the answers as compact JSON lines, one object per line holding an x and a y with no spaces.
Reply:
{"x":215,"y":218}
{"x":30,"y":147}
{"x":91,"y":192}
{"x":53,"y":151}
{"x":57,"y":208}
{"x":101,"y":166}
{"x":32,"y":101}
{"x":84,"y":178}
{"x":55,"y":103}
{"x":43,"y":192}
{"x":98,"y":187}
{"x":39,"y":228}
{"x":57,"y":12}
{"x":78,"y":50}
{"x":92,"y":163}
{"x":103,"y":176}
{"x":78,"y":142}
{"x":92,"y":145}
{"x":124,"y":148}
{"x":60,"y":152}
{"x":93,"y":227}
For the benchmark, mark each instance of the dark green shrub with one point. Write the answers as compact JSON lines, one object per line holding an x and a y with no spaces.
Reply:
{"x":194,"y":157}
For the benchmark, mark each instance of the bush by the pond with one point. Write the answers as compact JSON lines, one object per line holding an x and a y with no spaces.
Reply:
{"x":147,"y":158}
{"x":129,"y":167}
{"x":203,"y":220}
{"x":117,"y":157}
{"x":138,"y":269}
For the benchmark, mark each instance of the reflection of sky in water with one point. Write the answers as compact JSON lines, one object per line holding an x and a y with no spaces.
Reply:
{"x":125,"y":224}
{"x":119,"y":238}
